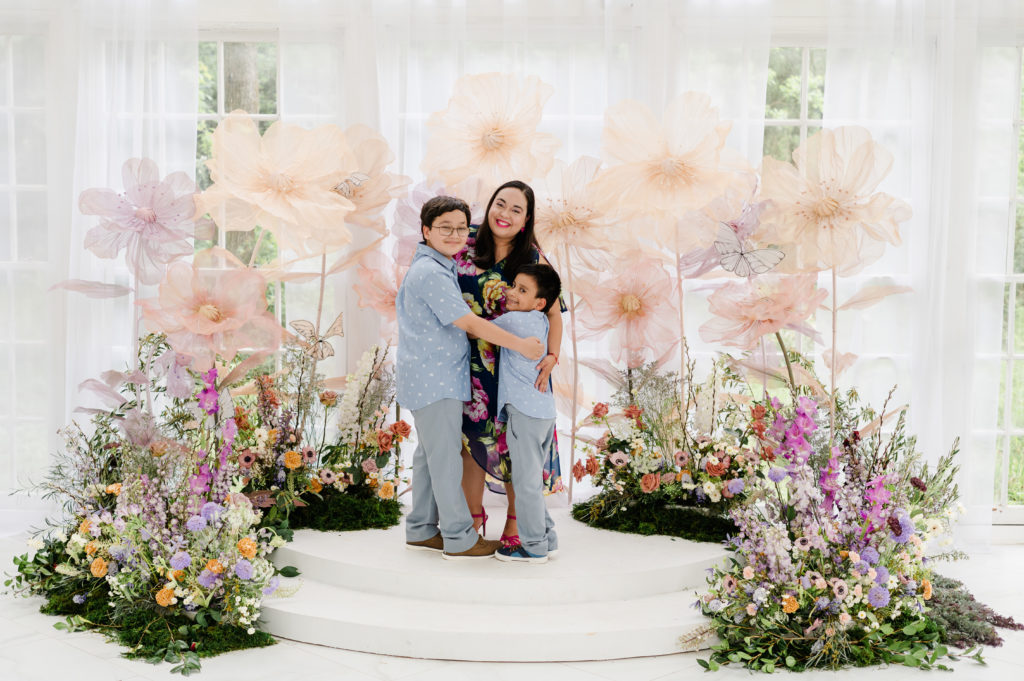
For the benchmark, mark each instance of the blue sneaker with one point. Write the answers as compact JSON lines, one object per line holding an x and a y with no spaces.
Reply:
{"x":517,"y":554}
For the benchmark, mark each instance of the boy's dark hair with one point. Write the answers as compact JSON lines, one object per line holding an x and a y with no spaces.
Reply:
{"x":439,"y":205}
{"x":549,"y":284}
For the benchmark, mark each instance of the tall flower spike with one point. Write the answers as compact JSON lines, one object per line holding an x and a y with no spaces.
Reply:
{"x":826,"y":209}
{"x":490,"y":130}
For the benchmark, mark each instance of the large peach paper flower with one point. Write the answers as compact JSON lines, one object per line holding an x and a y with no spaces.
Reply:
{"x":370,"y":187}
{"x":206,"y":314}
{"x":664,"y":168}
{"x":152,"y":219}
{"x":638,"y":307}
{"x":282,"y":181}
{"x":568,"y":215}
{"x":827,"y":211}
{"x":490,"y":130}
{"x":379,"y":280}
{"x":746,"y":311}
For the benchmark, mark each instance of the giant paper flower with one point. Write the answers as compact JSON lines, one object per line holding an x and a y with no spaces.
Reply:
{"x":370,"y":187}
{"x":664,"y":168}
{"x":379,"y":280}
{"x":568,"y":213}
{"x":152,"y":219}
{"x":743,"y":312}
{"x":282,"y":181}
{"x":490,"y":130}
{"x":406,"y":222}
{"x":639,"y":308}
{"x":827,"y":211}
{"x":206,"y":314}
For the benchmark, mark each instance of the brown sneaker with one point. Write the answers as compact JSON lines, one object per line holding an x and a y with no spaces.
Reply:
{"x":435,"y":543}
{"x":484,"y":548}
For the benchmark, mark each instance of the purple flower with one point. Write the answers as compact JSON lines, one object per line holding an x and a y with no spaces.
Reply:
{"x":881,"y":574}
{"x":229,"y":431}
{"x":906,"y":530}
{"x":181,"y":560}
{"x":208,"y":401}
{"x":822,"y":603}
{"x":878,"y":597}
{"x":243,"y":569}
{"x":196,"y":523}
{"x":777,"y":474}
{"x":736,"y":485}
{"x":861,"y":567}
{"x":910,"y":586}
{"x":211,"y":510}
{"x":200,"y":482}
{"x":79,"y":598}
{"x":207,"y":579}
{"x":869,"y":554}
{"x":272,"y":585}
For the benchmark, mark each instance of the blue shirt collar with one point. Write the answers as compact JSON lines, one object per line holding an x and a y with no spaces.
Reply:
{"x":425,"y":250}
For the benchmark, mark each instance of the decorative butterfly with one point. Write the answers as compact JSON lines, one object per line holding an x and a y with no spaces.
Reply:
{"x":317,"y":347}
{"x":736,"y":258}
{"x":348,"y":186}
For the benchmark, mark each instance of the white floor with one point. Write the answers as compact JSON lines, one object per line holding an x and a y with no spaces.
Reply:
{"x":31,"y":649}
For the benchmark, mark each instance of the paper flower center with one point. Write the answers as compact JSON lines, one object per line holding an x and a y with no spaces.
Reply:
{"x":492,"y":139}
{"x":671,"y":171}
{"x":566,"y":219}
{"x":145,"y":214}
{"x":630,"y":304}
{"x":826,"y":208}
{"x":281,"y":183}
{"x":211,"y":312}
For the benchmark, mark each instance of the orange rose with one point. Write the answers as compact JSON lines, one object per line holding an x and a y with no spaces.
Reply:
{"x":292,"y":459}
{"x":85,"y":527}
{"x":328,"y":398}
{"x":600,"y":410}
{"x":578,"y":471}
{"x":634,"y":412}
{"x":789,"y":604}
{"x":215,"y":566}
{"x":926,"y":586}
{"x":247,"y":547}
{"x":758,"y":411}
{"x":401,"y":429}
{"x":384,"y":440}
{"x":387,"y":490}
{"x":98,"y":568}
{"x":164,"y":596}
{"x":592,"y":466}
{"x":315,"y":485}
{"x":717,"y":470}
{"x":650,"y":482}
{"x":90,"y":548}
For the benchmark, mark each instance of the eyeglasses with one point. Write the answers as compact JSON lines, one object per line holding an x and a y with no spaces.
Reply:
{"x":446,"y":230}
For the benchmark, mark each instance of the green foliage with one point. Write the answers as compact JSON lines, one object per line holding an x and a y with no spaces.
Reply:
{"x":962,"y":620}
{"x":650,"y":514}
{"x":355,"y":509}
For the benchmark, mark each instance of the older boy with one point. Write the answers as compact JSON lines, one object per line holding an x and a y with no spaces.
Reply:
{"x":433,"y":381}
{"x":529,"y":413}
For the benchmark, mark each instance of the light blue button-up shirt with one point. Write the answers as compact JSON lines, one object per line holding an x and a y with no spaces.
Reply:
{"x":517,"y":373}
{"x":433,"y":354}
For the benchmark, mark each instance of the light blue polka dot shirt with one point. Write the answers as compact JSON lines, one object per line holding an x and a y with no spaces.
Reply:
{"x":517,"y":373}
{"x":433,"y":354}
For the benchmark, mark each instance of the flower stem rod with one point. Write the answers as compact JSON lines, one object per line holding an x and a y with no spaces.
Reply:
{"x":789,"y":367}
{"x":832,"y":397}
{"x":575,"y":366}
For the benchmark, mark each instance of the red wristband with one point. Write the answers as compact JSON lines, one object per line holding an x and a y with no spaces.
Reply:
{"x":551,"y":354}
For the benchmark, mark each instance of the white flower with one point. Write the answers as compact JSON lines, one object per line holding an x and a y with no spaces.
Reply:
{"x":35,"y":543}
{"x":250,"y":631}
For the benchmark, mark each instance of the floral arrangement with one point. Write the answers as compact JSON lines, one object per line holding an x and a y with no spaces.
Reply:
{"x":834,"y":548}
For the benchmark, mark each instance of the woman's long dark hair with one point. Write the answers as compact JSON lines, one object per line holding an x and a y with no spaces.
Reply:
{"x":522,"y":245}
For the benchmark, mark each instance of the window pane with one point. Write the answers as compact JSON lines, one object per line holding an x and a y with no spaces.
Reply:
{"x":1018,"y":320}
{"x":242,"y":243}
{"x":1004,"y":345}
{"x":5,"y":60}
{"x":1020,"y":164}
{"x":5,"y":231}
{"x":208,"y":77}
{"x":30,"y":306}
{"x":1018,"y":241}
{"x":783,"y":98}
{"x":31,"y":376}
{"x":250,"y":77}
{"x":998,"y":474}
{"x":5,"y":149}
{"x":1016,"y":475}
{"x":1017,"y":399}
{"x":32,"y":225}
{"x":30,"y":148}
{"x":6,"y":332}
{"x":6,"y":380}
{"x":204,"y":150}
{"x":816,"y":84}
{"x":29,"y":70}
{"x":780,"y":141}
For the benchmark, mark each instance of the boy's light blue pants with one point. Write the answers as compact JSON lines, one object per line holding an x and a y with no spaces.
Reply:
{"x":529,"y":441}
{"x":437,"y":498}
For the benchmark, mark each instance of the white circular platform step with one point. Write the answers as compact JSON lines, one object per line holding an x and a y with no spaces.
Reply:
{"x":606,"y":595}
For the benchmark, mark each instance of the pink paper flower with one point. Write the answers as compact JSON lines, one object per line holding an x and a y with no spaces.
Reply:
{"x":283,"y":181}
{"x":568,"y":214}
{"x":827,"y":211}
{"x":206,"y":314}
{"x":152,"y":219}
{"x":490,"y":130}
{"x":370,"y":187}
{"x":743,"y":312}
{"x":379,"y":278}
{"x":637,"y":306}
{"x":406,"y":221}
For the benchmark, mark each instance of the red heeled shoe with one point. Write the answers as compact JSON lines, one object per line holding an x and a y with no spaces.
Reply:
{"x":510,"y":540}
{"x":483,"y":525}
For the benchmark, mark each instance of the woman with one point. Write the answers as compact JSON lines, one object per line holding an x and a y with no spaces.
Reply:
{"x":494,"y":252}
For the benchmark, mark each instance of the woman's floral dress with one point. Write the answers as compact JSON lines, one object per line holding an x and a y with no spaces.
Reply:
{"x":481,"y":432}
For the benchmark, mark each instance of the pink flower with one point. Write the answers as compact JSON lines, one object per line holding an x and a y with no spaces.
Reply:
{"x":152,"y":219}
{"x":213,"y":313}
{"x":668,"y":478}
{"x":748,"y":572}
{"x":650,"y":482}
{"x":379,"y":279}
{"x":681,"y":458}
{"x":369,"y":466}
{"x":618,"y":459}
{"x":476,"y":408}
{"x":751,"y":609}
{"x":826,"y":208}
{"x":746,"y":311}
{"x":637,"y":307}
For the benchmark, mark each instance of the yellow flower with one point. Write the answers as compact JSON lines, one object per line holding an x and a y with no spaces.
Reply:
{"x":315,"y":486}
{"x":90,"y":548}
{"x":164,"y":596}
{"x":387,"y":490}
{"x":114,"y":489}
{"x":292,"y":459}
{"x":789,"y":604}
{"x":215,"y":566}
{"x":175,"y":575}
{"x":98,"y":568}
{"x":85,"y":527}
{"x":926,"y":586}
{"x":247,"y":547}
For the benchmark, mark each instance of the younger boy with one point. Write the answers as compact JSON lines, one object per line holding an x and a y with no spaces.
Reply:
{"x":432,"y":376}
{"x":529,"y":413}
